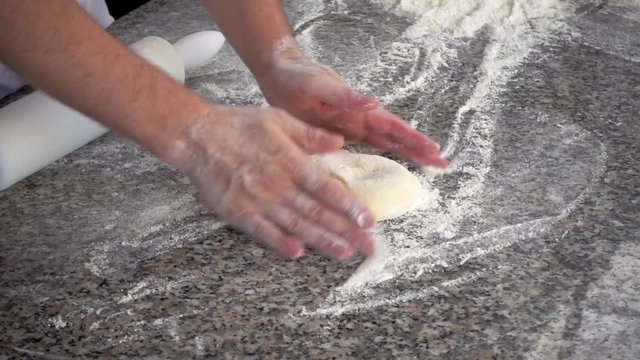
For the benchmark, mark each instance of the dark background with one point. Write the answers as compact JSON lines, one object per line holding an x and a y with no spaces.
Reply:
{"x":119,"y":8}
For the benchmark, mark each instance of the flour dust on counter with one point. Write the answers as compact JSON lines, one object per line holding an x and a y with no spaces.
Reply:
{"x":524,"y":249}
{"x":598,"y":26}
{"x":467,"y":218}
{"x":464,"y":18}
{"x":602,"y":312}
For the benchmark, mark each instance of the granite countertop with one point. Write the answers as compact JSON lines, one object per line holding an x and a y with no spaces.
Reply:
{"x":528,"y":249}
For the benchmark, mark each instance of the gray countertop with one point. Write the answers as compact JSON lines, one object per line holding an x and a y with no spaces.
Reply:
{"x":528,"y":249}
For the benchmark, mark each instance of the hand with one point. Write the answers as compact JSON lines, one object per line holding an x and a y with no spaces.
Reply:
{"x":252,"y":168}
{"x":317,"y":95}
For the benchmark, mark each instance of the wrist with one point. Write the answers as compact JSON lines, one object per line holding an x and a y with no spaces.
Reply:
{"x":172,"y":140}
{"x":284,"y":50}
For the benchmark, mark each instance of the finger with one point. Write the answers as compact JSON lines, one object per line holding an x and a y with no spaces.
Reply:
{"x":270,"y":235}
{"x":415,"y":155}
{"x":339,"y":95}
{"x":315,"y":237}
{"x":311,"y":139}
{"x":327,"y":218}
{"x":398,"y":131}
{"x":322,"y":187}
{"x":330,"y":192}
{"x":391,"y":133}
{"x":435,"y":160}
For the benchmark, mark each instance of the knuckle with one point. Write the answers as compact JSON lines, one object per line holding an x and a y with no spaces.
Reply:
{"x":240,"y":213}
{"x":326,"y":243}
{"x":318,"y":239}
{"x":316,"y":211}
{"x":227,"y":207}
{"x":310,"y":175}
{"x":279,"y":114}
{"x":293,"y":224}
{"x":311,"y":136}
{"x":242,"y":182}
{"x":312,"y":83}
{"x":278,"y":111}
{"x":252,"y":180}
{"x":255,"y":228}
{"x":236,"y":216}
{"x":324,"y":188}
{"x":292,"y":166}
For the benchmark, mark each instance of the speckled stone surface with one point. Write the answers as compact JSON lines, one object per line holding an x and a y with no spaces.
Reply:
{"x":109,"y":253}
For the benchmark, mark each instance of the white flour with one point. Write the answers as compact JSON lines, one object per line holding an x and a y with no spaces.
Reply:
{"x":440,"y":239}
{"x":463,"y":18}
{"x":436,"y":239}
{"x":438,"y":249}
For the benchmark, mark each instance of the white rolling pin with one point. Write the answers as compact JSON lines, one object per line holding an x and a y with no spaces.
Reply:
{"x":38,"y":130}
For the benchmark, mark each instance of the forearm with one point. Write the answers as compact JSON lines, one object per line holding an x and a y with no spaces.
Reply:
{"x":255,"y":29}
{"x":57,"y":47}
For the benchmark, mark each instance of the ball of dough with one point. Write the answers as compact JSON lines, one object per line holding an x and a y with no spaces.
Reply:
{"x":160,"y":53}
{"x":387,"y":188}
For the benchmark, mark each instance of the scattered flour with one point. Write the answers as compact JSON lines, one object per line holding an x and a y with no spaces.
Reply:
{"x":515,"y":28}
{"x":58,"y":322}
{"x":463,"y":18}
{"x":369,"y":270}
{"x":441,"y":239}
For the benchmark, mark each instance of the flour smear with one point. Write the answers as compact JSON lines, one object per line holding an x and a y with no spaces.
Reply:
{"x":448,"y":230}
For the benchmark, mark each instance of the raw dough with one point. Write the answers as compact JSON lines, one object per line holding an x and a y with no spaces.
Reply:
{"x":387,"y":188}
{"x":159,"y":52}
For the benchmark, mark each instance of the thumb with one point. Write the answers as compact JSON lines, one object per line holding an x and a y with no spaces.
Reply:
{"x":311,"y":139}
{"x":339,"y":95}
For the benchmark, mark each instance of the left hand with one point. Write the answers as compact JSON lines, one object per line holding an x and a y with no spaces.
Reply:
{"x":317,"y":95}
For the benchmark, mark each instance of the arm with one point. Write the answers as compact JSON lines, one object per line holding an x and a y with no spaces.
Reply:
{"x":254,"y":29}
{"x":58,"y":48}
{"x":287,"y":205}
{"x":314,"y":93}
{"x":260,"y":34}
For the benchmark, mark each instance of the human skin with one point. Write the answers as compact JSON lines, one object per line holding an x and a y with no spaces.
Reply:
{"x":250,"y":165}
{"x":260,"y":34}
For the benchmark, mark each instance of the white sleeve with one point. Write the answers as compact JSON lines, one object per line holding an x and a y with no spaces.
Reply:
{"x":98,"y":10}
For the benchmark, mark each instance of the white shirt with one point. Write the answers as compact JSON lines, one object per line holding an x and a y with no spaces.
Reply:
{"x":10,"y":81}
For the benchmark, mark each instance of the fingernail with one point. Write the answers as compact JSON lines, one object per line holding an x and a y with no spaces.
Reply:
{"x":435,"y":161}
{"x":362,"y":218}
{"x":363,"y":103}
{"x":346,"y":254}
{"x":299,"y":252}
{"x":369,"y":102}
{"x":338,"y":249}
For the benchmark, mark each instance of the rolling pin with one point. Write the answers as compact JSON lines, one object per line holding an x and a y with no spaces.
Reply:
{"x":38,"y":130}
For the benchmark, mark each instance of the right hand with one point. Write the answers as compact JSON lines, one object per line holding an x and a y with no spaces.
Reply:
{"x":251,"y":167}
